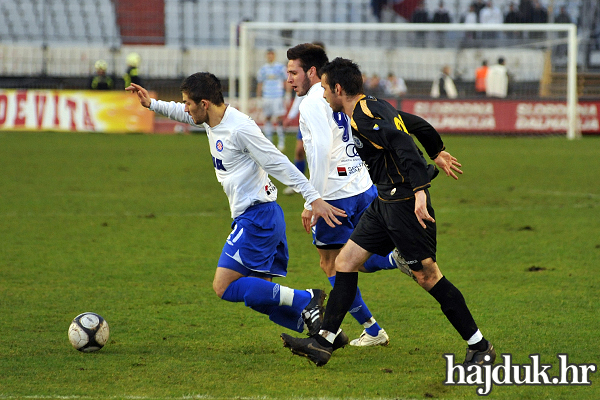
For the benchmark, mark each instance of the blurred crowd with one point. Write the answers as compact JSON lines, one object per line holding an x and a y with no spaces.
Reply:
{"x":479,"y":11}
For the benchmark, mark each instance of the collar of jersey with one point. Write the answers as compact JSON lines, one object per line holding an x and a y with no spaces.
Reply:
{"x":311,"y":88}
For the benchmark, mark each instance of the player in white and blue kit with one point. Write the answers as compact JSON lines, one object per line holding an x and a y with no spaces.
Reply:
{"x":271,"y":79}
{"x":337,"y":173}
{"x":256,"y":250}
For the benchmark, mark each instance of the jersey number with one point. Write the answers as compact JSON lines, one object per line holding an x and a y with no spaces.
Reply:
{"x":400,"y":124}
{"x":218,"y":164}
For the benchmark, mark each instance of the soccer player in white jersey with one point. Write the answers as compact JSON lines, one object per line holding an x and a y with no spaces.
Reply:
{"x":256,"y":250}
{"x":299,"y":155}
{"x":271,"y":86}
{"x":337,"y":173}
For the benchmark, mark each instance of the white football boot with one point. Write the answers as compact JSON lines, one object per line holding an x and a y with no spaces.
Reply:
{"x":382,"y":339}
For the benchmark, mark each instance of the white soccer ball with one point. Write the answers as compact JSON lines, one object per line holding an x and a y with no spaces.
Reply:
{"x":88,"y":332}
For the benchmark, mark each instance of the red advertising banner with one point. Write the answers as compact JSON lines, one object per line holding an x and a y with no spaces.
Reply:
{"x":502,"y":116}
{"x":75,"y":111}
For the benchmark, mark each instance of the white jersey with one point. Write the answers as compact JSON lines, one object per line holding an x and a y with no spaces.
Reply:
{"x":295,"y":107}
{"x":336,"y":170}
{"x":242,"y":157}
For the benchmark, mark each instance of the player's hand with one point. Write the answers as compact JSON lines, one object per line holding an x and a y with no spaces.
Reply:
{"x":142,"y":94}
{"x":287,"y":122}
{"x":322,"y":209}
{"x":421,"y":208}
{"x":446,"y":162}
{"x":307,"y":216}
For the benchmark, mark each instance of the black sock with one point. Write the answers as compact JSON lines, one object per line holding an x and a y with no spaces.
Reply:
{"x":482,"y":345}
{"x":323,"y":342}
{"x":340,"y":300}
{"x":454,"y":307}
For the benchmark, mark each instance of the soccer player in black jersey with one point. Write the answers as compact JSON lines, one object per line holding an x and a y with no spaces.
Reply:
{"x":401,"y":216}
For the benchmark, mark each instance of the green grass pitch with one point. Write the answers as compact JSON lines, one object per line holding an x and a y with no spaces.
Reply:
{"x":131,"y":227}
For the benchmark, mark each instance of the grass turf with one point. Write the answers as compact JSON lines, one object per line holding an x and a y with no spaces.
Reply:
{"x":131,"y":227}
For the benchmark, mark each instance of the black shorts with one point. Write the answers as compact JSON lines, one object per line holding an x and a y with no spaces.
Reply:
{"x":389,"y":224}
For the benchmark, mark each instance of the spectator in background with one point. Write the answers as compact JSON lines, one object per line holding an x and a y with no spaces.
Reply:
{"x":443,"y":86}
{"x":377,"y":7}
{"x":526,"y":9}
{"x":562,"y":18}
{"x":271,"y":79}
{"x":394,"y":86}
{"x":441,"y":16}
{"x":478,"y":6}
{"x":420,"y":16}
{"x":373,"y":85}
{"x":100,"y":80}
{"x":490,"y":15}
{"x":539,"y":15}
{"x":132,"y":74}
{"x":513,"y":16}
{"x":470,"y":18}
{"x":496,"y":83}
{"x":480,"y":78}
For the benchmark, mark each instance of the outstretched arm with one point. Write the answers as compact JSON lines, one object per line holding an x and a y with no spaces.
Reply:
{"x":141,"y":93}
{"x":446,"y":162}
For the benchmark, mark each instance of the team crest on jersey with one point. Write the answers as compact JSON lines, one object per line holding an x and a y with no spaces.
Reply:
{"x":375,"y":127}
{"x":219,"y":146}
{"x":357,"y":142}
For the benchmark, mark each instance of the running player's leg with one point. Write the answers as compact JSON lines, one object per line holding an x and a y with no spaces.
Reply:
{"x":329,"y":241}
{"x":267,"y":108}
{"x":279,"y":113}
{"x":299,"y":154}
{"x":420,"y":253}
{"x":254,"y":253}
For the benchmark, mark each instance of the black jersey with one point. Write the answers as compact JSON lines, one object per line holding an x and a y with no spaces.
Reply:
{"x":382,"y":139}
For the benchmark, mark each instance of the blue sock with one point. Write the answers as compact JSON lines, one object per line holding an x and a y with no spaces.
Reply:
{"x":300,"y":164}
{"x":264,"y":297}
{"x":259,"y":292}
{"x":377,"y":263}
{"x":284,"y":316}
{"x":360,"y":311}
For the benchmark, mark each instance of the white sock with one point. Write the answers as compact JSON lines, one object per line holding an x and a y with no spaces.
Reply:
{"x":329,"y":336}
{"x":286,"y":296}
{"x":369,"y":323}
{"x":476,"y":338}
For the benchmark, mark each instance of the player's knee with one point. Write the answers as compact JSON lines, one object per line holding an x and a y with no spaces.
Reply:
{"x":345,"y":265}
{"x":328,"y":266}
{"x":219,"y":288}
{"x":428,"y":275}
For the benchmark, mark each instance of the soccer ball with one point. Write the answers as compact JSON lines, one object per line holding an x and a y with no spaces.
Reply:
{"x":88,"y":332}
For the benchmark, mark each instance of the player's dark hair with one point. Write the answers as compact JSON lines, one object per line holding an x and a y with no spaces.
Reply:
{"x":203,"y":86}
{"x":310,"y":55}
{"x":345,"y":73}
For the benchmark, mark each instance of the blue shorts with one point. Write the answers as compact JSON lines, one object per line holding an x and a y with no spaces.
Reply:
{"x":299,"y":135}
{"x":257,"y":246}
{"x":325,"y":236}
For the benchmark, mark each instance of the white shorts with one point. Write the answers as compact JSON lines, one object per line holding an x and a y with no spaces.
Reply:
{"x":273,"y":107}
